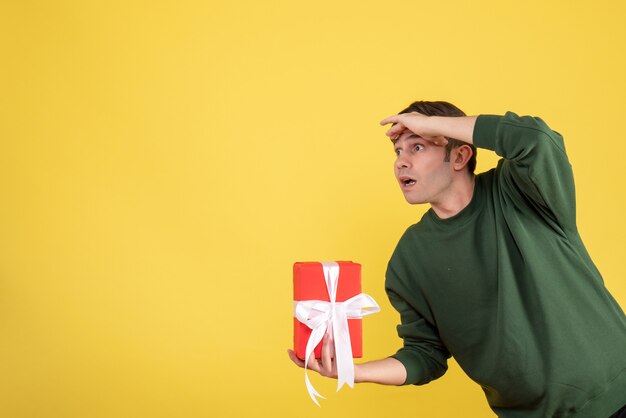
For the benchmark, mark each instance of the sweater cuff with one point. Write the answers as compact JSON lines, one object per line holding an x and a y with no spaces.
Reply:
{"x":485,"y":129}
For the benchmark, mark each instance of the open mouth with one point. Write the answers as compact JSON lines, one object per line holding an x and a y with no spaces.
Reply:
{"x":406,"y":181}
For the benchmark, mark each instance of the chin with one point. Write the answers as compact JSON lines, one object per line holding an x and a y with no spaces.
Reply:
{"x":414,"y":201}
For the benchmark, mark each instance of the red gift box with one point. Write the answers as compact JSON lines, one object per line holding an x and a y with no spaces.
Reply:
{"x":309,"y":284}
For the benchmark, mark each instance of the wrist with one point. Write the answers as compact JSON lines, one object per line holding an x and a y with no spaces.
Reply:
{"x":358,"y":371}
{"x":434,"y":125}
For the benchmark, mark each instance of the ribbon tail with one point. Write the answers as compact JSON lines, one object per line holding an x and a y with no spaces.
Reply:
{"x":316,"y":336}
{"x":343,"y":350}
{"x":312,"y":392}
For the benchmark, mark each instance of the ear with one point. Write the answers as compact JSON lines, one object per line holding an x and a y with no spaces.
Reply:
{"x":460,"y":156}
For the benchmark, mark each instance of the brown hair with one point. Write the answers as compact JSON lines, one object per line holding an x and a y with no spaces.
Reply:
{"x":444,"y":109}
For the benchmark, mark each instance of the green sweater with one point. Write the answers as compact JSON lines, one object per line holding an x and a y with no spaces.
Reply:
{"x":507,"y":287}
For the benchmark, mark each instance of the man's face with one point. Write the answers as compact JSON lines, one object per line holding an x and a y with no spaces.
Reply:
{"x":420,"y":169}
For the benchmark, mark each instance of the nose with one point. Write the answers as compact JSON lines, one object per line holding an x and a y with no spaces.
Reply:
{"x":402,"y":162}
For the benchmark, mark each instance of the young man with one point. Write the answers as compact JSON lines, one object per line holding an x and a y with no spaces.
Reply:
{"x":495,"y":273}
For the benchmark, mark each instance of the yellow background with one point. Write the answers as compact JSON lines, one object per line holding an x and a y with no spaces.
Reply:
{"x":163,"y":164}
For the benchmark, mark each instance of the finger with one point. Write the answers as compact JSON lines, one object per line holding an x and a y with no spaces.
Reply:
{"x":439,"y":140}
{"x":313,"y":363}
{"x":390,"y":119}
{"x":435,"y":140}
{"x":295,"y":359}
{"x":396,"y":130}
{"x":327,"y":364}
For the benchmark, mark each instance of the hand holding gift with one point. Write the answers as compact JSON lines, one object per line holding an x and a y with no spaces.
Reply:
{"x":325,"y":365}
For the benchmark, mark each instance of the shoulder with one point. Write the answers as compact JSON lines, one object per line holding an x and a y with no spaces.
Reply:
{"x":487,"y":177}
{"x":414,"y":231}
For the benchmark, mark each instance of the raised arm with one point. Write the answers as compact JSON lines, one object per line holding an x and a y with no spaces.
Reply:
{"x":432,"y":128}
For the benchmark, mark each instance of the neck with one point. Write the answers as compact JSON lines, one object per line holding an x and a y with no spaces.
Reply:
{"x":456,"y":200}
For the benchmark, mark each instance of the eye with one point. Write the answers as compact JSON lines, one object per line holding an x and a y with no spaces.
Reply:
{"x":418,"y":147}
{"x":398,"y":151}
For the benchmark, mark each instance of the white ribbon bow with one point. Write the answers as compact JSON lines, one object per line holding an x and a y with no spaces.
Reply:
{"x":333,"y":316}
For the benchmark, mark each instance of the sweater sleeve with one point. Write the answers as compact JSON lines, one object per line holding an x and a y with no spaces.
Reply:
{"x":535,"y":166}
{"x":423,"y":355}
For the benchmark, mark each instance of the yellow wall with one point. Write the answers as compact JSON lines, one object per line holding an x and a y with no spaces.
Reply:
{"x":163,"y":164}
